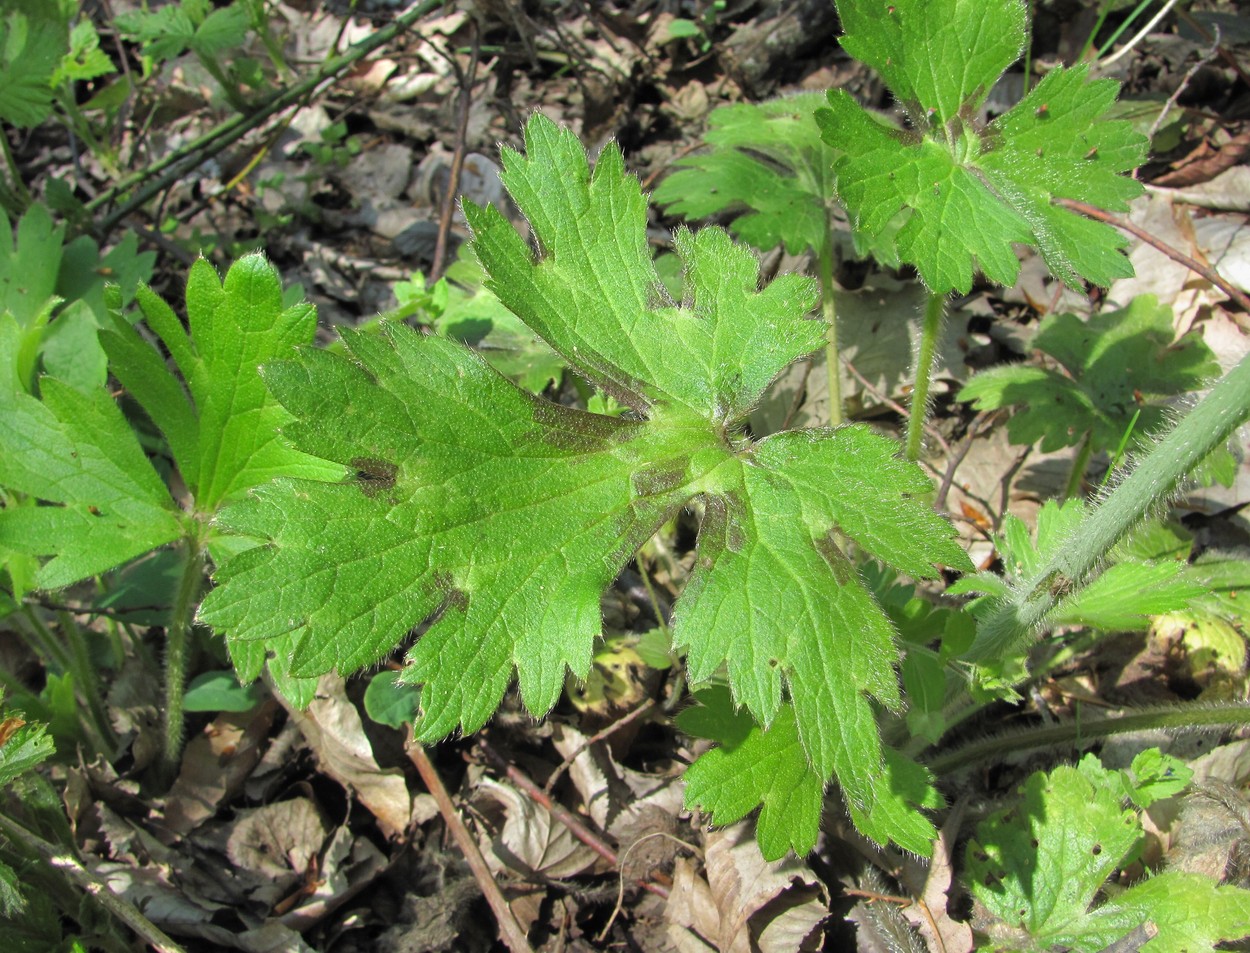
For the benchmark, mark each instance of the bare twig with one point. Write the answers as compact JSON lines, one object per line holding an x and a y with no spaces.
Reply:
{"x":466,"y":80}
{"x":979,"y":425}
{"x":578,"y":829}
{"x":511,"y":930}
{"x":1203,"y":60}
{"x":607,"y":732}
{"x":894,"y":405}
{"x":92,"y":885}
{"x":1140,"y":233}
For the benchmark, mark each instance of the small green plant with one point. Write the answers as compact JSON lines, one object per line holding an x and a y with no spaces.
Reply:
{"x":206,"y":31}
{"x":1116,"y":372}
{"x":335,"y":148}
{"x":451,"y":461}
{"x":348,"y":496}
{"x":23,"y":746}
{"x":956,"y":196}
{"x":459,"y":307}
{"x":682,"y":28}
{"x":82,"y":495}
{"x":1035,"y":868}
{"x":42,"y":56}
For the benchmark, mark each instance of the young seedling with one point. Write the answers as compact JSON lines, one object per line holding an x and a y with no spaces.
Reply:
{"x":86,"y":498}
{"x":501,"y":517}
{"x":1037,"y":867}
{"x":957,"y":194}
{"x":1117,"y":370}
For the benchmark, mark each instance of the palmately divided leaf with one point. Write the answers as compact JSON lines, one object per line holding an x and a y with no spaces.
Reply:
{"x":1038,"y":867}
{"x":1121,"y":366}
{"x":225,"y":437}
{"x":769,"y":769}
{"x":774,"y":598}
{"x":964,"y":193}
{"x":507,"y":514}
{"x":592,"y":293}
{"x":502,"y":517}
{"x":769,"y":164}
{"x":76,"y":451}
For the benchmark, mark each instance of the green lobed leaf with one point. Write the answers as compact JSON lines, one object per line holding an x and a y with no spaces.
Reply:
{"x":500,"y":518}
{"x":25,"y":745}
{"x":33,"y":38}
{"x":29,"y":263}
{"x":750,"y":769}
{"x":960,"y":194}
{"x":769,"y":165}
{"x":1119,"y":365}
{"x":223,"y":429}
{"x":77,"y":451}
{"x":941,"y":57}
{"x":593,"y":294}
{"x":769,"y":769}
{"x":1037,"y":867}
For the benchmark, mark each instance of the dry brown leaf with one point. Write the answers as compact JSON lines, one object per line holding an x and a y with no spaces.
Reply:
{"x":215,"y":765}
{"x":929,"y":914}
{"x":334,"y":731}
{"x":529,"y":841}
{"x":278,"y":841}
{"x":750,"y":904}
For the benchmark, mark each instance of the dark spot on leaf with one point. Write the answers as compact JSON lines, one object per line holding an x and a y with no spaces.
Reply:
{"x":773,"y":663}
{"x":453,"y":596}
{"x":655,"y":480}
{"x":373,"y":475}
{"x":841,"y":567}
{"x":1097,"y":849}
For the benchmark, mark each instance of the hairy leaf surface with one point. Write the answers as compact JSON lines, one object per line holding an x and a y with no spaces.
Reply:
{"x":1038,"y":867}
{"x":960,"y":193}
{"x":499,"y":518}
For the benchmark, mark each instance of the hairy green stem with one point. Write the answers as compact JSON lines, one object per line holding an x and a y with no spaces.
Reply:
{"x":932,"y":328}
{"x":1191,"y":717}
{"x":1204,"y":428}
{"x":1080,"y":463}
{"x":160,"y":175}
{"x":69,"y":867}
{"x":177,"y":638}
{"x":829,"y":311}
{"x":88,"y":682}
{"x":14,"y":195}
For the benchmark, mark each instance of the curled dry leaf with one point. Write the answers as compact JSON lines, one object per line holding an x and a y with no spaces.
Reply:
{"x":529,"y":842}
{"x":278,"y":841}
{"x":746,"y":903}
{"x":334,"y":731}
{"x":215,"y":765}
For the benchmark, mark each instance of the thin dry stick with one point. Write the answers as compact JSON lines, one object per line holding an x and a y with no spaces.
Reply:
{"x":1137,"y":232}
{"x":620,"y":881}
{"x":607,"y":732}
{"x":466,"y":81}
{"x":511,"y":930}
{"x":894,"y":405}
{"x":85,"y":880}
{"x":979,"y":425}
{"x":1203,"y":60}
{"x":579,"y":830}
